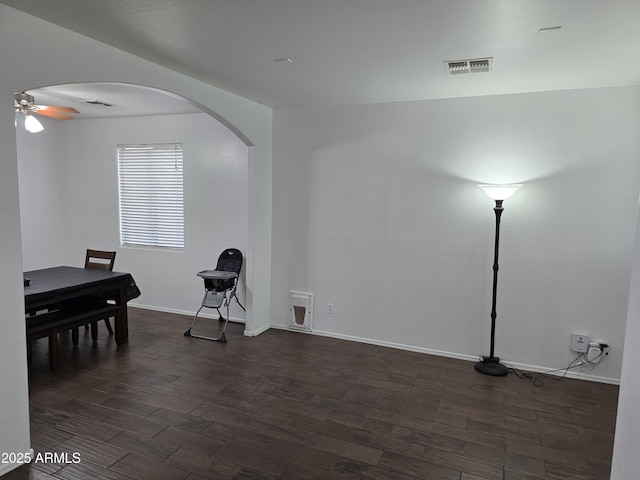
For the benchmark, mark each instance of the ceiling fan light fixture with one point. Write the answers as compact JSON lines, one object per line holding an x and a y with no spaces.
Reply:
{"x":23,"y":99}
{"x":32,"y":124}
{"x":25,"y":103}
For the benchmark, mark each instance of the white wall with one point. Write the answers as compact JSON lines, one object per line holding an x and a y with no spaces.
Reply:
{"x":69,"y":189}
{"x":41,"y":176}
{"x":14,"y":405}
{"x":626,"y":462}
{"x":376,"y":210}
{"x":40,"y":54}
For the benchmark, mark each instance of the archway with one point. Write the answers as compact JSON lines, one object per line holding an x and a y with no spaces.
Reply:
{"x":71,"y":154}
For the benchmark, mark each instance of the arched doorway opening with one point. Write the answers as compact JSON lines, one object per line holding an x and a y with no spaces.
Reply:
{"x":68,"y":186}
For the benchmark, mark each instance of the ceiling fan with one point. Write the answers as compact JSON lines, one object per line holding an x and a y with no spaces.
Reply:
{"x":25,"y":104}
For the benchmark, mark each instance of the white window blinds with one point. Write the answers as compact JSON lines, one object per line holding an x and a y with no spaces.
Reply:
{"x":151,"y":195}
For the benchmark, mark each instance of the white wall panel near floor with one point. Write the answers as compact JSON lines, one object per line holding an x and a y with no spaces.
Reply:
{"x":377,"y":211}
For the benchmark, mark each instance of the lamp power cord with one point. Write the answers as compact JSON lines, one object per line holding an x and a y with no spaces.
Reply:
{"x":581,"y":360}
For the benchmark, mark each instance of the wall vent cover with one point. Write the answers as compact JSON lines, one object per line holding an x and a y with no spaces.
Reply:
{"x":98,"y":103}
{"x":477,"y":65}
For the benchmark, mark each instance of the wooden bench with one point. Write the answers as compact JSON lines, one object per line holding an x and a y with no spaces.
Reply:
{"x":71,"y":316}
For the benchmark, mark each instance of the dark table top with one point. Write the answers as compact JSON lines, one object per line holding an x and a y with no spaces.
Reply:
{"x":51,"y":285}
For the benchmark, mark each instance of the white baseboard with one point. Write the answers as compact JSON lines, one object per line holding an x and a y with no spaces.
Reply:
{"x":248,"y":333}
{"x":189,"y":313}
{"x":581,"y":374}
{"x":576,"y":374}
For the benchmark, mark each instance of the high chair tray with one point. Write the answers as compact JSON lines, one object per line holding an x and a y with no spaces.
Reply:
{"x":217,"y":274}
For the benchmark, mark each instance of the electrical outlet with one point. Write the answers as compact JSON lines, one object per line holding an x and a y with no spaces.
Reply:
{"x":330,"y":308}
{"x":579,"y":342}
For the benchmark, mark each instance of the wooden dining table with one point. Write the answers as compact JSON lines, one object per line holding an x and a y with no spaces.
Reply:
{"x":50,"y":286}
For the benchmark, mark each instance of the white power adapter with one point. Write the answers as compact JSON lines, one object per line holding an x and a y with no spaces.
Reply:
{"x":596,"y":352}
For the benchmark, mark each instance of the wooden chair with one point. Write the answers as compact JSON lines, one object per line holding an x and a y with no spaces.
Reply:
{"x":98,"y":260}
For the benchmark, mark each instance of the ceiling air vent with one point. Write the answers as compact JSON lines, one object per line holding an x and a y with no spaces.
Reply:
{"x":477,"y":65}
{"x":98,"y":103}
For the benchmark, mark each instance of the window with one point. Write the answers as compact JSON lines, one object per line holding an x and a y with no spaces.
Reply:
{"x":151,"y":195}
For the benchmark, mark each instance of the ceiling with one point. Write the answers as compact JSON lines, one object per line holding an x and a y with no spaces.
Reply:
{"x":300,"y":53}
{"x":123,"y":100}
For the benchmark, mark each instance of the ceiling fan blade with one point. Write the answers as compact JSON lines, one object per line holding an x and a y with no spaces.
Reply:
{"x":53,"y":108}
{"x":56,"y":115}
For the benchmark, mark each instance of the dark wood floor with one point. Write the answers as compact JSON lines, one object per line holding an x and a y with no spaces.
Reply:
{"x":294,"y":406}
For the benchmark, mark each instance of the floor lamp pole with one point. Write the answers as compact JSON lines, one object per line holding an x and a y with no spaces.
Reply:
{"x":491,"y":365}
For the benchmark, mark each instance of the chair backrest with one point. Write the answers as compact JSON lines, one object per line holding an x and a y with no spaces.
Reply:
{"x":99,"y":260}
{"x":230,"y":260}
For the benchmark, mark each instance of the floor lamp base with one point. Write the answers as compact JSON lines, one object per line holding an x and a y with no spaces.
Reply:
{"x":492,"y":366}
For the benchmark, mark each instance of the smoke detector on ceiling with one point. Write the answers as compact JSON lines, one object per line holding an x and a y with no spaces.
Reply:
{"x":477,"y":65}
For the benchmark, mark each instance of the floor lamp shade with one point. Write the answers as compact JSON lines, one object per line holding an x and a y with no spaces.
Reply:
{"x":490,"y":365}
{"x":500,"y":192}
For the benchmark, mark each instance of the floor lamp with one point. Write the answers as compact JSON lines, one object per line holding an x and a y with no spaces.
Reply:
{"x":491,"y":365}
